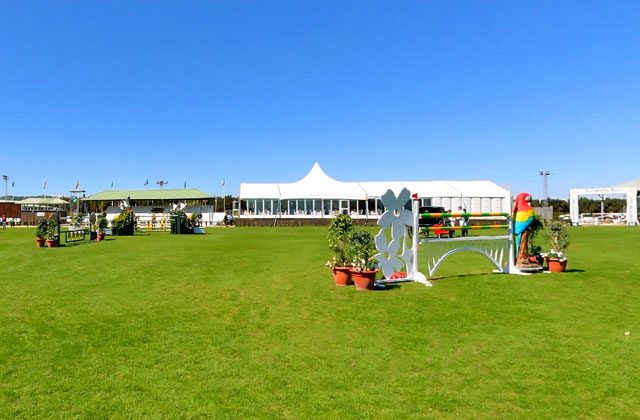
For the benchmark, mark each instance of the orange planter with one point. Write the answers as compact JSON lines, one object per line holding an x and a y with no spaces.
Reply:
{"x":556,"y":266}
{"x":364,"y":279}
{"x":51,"y":243}
{"x":342,"y":276}
{"x":39,"y":242}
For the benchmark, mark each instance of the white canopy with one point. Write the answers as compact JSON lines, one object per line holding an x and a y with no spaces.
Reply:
{"x":318,"y":185}
{"x":49,"y":201}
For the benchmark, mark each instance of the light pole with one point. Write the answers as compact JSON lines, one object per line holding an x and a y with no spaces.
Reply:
{"x":545,"y":186}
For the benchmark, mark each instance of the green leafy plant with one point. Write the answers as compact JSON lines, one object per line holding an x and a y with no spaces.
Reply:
{"x":101,"y":222}
{"x":41,"y":228}
{"x":339,"y":234}
{"x":195,"y":220}
{"x":124,"y":223}
{"x":536,"y":226}
{"x":557,"y":235}
{"x":52,"y":229}
{"x":362,"y":249}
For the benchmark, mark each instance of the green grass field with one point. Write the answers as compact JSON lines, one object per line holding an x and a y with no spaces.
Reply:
{"x":246,"y":322}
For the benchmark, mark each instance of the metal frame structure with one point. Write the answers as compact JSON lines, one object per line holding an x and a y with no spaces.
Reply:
{"x":630,"y":193}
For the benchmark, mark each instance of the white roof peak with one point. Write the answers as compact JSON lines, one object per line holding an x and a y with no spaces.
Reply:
{"x":317,"y":175}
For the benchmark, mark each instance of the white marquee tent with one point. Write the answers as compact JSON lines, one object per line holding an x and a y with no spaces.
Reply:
{"x":319,"y":195}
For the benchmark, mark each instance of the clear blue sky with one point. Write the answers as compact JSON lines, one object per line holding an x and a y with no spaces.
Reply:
{"x":256,"y":91}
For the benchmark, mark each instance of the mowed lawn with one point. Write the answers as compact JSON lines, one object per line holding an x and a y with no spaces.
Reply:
{"x":246,"y":322}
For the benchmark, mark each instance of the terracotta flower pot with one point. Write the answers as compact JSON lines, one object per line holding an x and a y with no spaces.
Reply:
{"x":364,"y":279}
{"x":51,"y":243}
{"x":100,"y":236}
{"x":342,"y":276}
{"x":39,"y":242}
{"x":556,"y":266}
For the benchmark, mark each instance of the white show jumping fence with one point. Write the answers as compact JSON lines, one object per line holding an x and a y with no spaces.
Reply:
{"x":401,"y":251}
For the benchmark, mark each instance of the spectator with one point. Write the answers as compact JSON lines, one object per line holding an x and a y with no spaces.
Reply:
{"x":463,"y":222}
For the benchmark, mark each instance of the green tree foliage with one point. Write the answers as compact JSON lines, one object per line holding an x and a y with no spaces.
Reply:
{"x":224,"y":203}
{"x":586,"y":205}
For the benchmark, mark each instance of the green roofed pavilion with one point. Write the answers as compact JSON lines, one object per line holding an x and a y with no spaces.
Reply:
{"x":151,"y":195}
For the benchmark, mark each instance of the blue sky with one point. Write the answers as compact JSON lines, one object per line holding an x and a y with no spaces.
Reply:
{"x":256,"y":91}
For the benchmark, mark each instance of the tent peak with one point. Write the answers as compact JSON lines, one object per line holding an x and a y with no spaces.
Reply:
{"x":317,"y":174}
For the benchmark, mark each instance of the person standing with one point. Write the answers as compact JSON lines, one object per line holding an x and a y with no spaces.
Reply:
{"x":463,"y":222}
{"x":4,"y":221}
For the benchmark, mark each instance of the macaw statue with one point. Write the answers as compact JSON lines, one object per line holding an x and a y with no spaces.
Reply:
{"x":523,"y":215}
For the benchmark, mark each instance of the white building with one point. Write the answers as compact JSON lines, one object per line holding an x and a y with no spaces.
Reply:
{"x":317,"y":195}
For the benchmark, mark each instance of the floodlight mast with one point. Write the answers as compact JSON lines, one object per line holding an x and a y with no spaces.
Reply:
{"x":545,"y":186}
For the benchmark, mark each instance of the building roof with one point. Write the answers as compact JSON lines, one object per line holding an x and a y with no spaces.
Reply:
{"x":156,"y":194}
{"x":635,"y":183}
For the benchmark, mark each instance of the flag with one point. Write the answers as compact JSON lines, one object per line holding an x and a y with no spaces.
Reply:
{"x":13,"y":184}
{"x":146,"y":183}
{"x":222,"y":183}
{"x":185,"y":184}
{"x":77,"y":185}
{"x":112,"y":184}
{"x":44,"y":186}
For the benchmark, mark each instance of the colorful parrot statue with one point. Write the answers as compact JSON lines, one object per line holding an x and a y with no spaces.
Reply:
{"x":523,"y":215}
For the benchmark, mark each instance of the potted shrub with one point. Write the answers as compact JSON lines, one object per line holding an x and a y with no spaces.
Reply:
{"x":124,"y":223}
{"x":558,"y":236}
{"x":41,"y":232}
{"x":362,"y":249}
{"x":340,"y":229}
{"x":101,"y":225}
{"x":52,"y":232}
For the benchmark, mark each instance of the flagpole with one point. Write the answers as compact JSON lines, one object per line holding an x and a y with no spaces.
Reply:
{"x":224,"y":198}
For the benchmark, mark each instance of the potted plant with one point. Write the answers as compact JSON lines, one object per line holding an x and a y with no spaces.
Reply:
{"x":340,"y":230}
{"x":124,"y":223}
{"x":52,"y":232}
{"x":101,"y":225}
{"x":362,"y":249}
{"x":558,"y":236}
{"x":41,"y":232}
